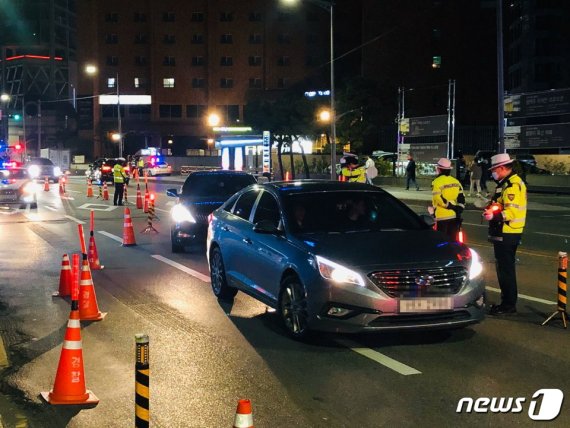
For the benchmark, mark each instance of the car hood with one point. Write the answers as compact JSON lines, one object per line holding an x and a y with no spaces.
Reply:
{"x":12,"y":184}
{"x":366,"y":250}
{"x":201,"y":207}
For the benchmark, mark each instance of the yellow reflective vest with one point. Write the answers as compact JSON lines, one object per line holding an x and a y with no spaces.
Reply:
{"x":510,"y":194}
{"x":357,"y":175}
{"x":446,"y":192}
{"x":118,"y":173}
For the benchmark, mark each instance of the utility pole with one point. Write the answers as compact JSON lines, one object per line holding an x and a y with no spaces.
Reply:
{"x":119,"y":118}
{"x":500,"y":78}
{"x":39,"y":127}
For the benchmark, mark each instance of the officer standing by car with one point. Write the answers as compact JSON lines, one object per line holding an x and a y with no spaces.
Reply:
{"x":353,"y":172}
{"x":119,"y":177}
{"x":506,"y":215}
{"x":448,"y":199}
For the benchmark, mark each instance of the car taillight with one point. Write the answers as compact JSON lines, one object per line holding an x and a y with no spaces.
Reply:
{"x":461,"y":237}
{"x":127,"y":169}
{"x":210,"y":218}
{"x":106,"y":168}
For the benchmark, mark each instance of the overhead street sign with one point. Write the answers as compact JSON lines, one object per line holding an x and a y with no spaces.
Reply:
{"x":546,"y":103}
{"x":554,"y":135}
{"x":426,"y":126}
{"x":428,"y":152}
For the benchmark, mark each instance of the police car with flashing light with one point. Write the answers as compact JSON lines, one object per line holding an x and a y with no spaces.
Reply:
{"x":17,"y":188}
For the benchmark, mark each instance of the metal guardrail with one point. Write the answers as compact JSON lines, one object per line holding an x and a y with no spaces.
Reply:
{"x":187,"y":169}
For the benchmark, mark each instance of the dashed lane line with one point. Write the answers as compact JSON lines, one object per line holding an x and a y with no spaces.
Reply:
{"x":553,"y":234}
{"x":110,"y":235}
{"x":380,"y":358}
{"x":76,"y":220}
{"x":50,"y":208}
{"x":160,"y":209}
{"x":183,"y":268}
{"x":525,"y":296}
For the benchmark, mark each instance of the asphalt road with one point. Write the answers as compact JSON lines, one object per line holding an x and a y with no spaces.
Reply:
{"x":205,"y":355}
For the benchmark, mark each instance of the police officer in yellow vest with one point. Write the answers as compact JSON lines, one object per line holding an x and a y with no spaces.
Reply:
{"x":448,"y":200}
{"x":119,"y":176}
{"x":352,"y":171}
{"x":506,"y":215}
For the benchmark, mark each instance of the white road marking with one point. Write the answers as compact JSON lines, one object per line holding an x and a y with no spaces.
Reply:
{"x":50,"y":208}
{"x":97,"y":207}
{"x":69,"y":198}
{"x":524,"y":296}
{"x":183,"y":268}
{"x":110,"y":235}
{"x":475,"y":224}
{"x":386,"y":361}
{"x":76,"y":220}
{"x":552,"y":234}
{"x":170,"y":203}
{"x":159,"y":209}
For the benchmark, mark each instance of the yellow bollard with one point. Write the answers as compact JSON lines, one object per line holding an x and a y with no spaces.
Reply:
{"x":142,"y":382}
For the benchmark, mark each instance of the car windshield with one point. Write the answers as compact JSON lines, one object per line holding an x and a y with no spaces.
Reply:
{"x":219,"y":185}
{"x":347,"y":211}
{"x":14,"y":173}
{"x":40,"y":161}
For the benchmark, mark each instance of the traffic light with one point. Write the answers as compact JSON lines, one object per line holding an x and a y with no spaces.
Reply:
{"x":15,"y":116}
{"x":17,"y":148}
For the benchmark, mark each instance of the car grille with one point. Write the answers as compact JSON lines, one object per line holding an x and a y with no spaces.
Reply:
{"x":8,"y":195}
{"x":419,"y":319}
{"x":420,"y":282}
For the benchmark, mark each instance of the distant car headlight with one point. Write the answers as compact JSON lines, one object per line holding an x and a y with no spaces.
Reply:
{"x":181,"y":214}
{"x":56,"y":171}
{"x":338,"y":273}
{"x":34,"y":171}
{"x":476,"y":265}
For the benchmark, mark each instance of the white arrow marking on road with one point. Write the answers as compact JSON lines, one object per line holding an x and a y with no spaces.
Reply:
{"x":379,"y":358}
{"x":524,"y":296}
{"x":183,"y":268}
{"x":50,"y":208}
{"x":76,"y":220}
{"x":110,"y":235}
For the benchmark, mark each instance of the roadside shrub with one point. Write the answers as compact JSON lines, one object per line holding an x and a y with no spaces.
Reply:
{"x":555,"y":167}
{"x":384,"y":167}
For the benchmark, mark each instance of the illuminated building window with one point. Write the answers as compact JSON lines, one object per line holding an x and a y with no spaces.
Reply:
{"x":168,"y":82}
{"x":111,"y":82}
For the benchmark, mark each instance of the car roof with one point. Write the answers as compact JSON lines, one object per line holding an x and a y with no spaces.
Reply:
{"x":297,"y":186}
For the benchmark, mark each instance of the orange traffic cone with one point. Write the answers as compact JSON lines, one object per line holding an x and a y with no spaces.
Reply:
{"x":105,"y":191}
{"x":146,"y":198}
{"x":69,"y":386}
{"x":88,"y":308}
{"x":128,"y":231}
{"x":139,"y":197}
{"x":244,"y":418}
{"x":287,"y":176}
{"x":46,"y":184}
{"x":64,"y":278}
{"x":89,"y":188}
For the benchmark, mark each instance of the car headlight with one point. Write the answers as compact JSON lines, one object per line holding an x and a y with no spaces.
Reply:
{"x":181,"y":214}
{"x":476,"y":265}
{"x":338,"y":273}
{"x":29,"y":188}
{"x":34,"y":171}
{"x":56,"y":171}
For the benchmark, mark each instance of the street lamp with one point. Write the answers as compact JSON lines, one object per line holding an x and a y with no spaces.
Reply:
{"x":92,"y":71}
{"x":329,"y":7}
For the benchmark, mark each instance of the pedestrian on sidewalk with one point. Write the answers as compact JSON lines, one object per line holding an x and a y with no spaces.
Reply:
{"x":448,"y":200}
{"x":475,"y":178}
{"x":371,"y":171}
{"x":411,"y":173}
{"x":506,"y":216}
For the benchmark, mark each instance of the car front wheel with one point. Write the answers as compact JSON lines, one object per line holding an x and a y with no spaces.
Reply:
{"x":293,"y":308}
{"x":220,"y":285}
{"x":177,"y":247}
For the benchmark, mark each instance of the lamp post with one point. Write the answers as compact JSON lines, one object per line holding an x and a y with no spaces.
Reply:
{"x":91,"y":70}
{"x":119,"y":117}
{"x":329,"y":7}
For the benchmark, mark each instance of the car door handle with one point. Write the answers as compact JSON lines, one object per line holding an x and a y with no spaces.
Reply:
{"x":247,"y":241}
{"x":225,"y":228}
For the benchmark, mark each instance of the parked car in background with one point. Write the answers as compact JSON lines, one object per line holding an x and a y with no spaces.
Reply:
{"x":101,"y":170}
{"x":201,"y":193}
{"x":39,"y":168}
{"x":342,"y":257}
{"x":17,"y":188}
{"x":159,"y":168}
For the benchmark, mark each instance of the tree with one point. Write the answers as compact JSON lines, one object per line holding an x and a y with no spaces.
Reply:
{"x":287,"y":114}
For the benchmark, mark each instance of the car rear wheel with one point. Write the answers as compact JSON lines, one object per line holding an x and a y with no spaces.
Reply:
{"x":177,"y":247}
{"x":220,"y":285}
{"x":293,"y":307}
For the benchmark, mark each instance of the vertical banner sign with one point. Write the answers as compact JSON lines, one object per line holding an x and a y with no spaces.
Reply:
{"x":266,"y":158}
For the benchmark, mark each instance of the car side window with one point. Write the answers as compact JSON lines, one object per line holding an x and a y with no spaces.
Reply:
{"x":267,"y":209}
{"x":244,"y":204}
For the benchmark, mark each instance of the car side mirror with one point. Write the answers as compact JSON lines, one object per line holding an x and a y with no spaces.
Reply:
{"x":172,"y":192}
{"x":428,"y":219}
{"x":266,"y":227}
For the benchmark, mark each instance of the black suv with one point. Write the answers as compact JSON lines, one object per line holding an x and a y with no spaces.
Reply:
{"x":102,"y":169}
{"x":38,"y":168}
{"x":201,"y":193}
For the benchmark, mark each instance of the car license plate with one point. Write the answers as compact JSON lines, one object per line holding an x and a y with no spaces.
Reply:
{"x":431,"y":304}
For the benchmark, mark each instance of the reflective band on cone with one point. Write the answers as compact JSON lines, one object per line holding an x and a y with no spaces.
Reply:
{"x":88,"y":307}
{"x":244,"y":418}
{"x":65,"y":278}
